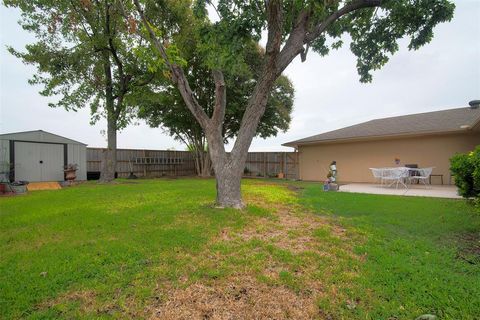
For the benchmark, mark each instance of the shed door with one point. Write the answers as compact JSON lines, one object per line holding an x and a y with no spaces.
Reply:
{"x":38,"y":161}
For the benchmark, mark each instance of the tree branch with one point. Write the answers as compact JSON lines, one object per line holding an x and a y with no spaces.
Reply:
{"x":145,"y":81}
{"x":352,"y":6}
{"x":215,"y":8}
{"x":178,"y":76}
{"x":123,"y":79}
{"x":294,"y":44}
{"x":301,"y":36}
{"x":275,"y":28}
{"x":258,"y":100}
{"x":79,"y":11}
{"x":220,"y":99}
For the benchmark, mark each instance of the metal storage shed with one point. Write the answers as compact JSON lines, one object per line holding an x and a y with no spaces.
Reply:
{"x":40,"y":156}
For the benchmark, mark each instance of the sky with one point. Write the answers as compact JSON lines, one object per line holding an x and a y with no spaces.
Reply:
{"x":444,"y":74}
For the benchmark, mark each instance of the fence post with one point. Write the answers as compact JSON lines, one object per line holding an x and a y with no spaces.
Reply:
{"x":264,"y":164}
{"x":144,"y":163}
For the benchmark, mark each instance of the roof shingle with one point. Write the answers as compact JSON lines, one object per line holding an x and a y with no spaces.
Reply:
{"x":451,"y":120}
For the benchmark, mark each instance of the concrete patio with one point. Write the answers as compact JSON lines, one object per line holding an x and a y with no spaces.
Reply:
{"x":436,"y":191}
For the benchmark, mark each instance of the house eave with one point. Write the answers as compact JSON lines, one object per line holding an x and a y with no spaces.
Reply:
{"x":296,"y":144}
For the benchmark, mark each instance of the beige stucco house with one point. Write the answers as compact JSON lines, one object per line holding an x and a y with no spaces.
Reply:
{"x":425,"y":139}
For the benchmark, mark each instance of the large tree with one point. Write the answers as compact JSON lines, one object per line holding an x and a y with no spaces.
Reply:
{"x":166,"y":108}
{"x":293,"y":27}
{"x":84,"y":55}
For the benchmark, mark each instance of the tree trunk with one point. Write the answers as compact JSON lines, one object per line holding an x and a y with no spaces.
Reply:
{"x":109,"y":164}
{"x":203,"y":165}
{"x":206,"y":165}
{"x":228,"y":171}
{"x":197,"y":164}
{"x":229,"y":167}
{"x":228,"y":181}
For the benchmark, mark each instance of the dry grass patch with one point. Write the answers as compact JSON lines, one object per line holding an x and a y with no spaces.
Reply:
{"x":240,"y":297}
{"x":276,"y":267}
{"x":290,"y":228}
{"x":469,"y":247}
{"x":85,"y":298}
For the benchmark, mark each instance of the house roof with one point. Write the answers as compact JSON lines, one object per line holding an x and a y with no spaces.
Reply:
{"x":445,"y":121}
{"x":38,"y":136}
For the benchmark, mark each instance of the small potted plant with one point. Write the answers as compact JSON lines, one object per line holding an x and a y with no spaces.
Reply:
{"x":70,"y":171}
{"x":19,"y":187}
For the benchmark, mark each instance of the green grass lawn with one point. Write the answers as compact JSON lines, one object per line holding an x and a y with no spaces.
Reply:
{"x":417,"y":259}
{"x":126,"y":250}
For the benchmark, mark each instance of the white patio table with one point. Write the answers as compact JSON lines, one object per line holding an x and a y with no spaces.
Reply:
{"x":401,"y":175}
{"x":392,"y":176}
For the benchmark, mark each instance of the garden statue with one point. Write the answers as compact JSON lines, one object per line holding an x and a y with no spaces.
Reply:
{"x":333,"y":172}
{"x":331,"y":184}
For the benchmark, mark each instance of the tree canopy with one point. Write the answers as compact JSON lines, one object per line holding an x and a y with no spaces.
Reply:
{"x":72,"y":37}
{"x":85,"y":56}
{"x":373,"y":28}
{"x":166,"y":108}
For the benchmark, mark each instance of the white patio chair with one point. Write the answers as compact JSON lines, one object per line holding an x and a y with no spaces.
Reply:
{"x":423,"y":175}
{"x":378,"y":174}
{"x":396,"y":176}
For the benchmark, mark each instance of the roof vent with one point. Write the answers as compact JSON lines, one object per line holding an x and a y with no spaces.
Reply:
{"x":474,"y":104}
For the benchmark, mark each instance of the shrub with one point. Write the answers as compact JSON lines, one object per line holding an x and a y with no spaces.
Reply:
{"x":466,"y":169}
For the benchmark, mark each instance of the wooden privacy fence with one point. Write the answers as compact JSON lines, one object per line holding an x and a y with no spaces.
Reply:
{"x":158,"y":163}
{"x":270,"y":164}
